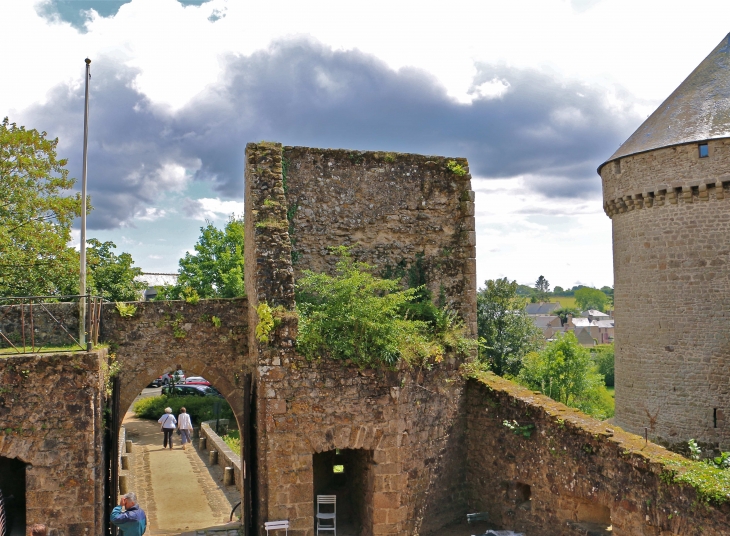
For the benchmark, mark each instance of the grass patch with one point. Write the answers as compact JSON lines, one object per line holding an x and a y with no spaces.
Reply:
{"x":8,"y":351}
{"x":233,"y":440}
{"x":712,"y":484}
{"x":200,"y":408}
{"x":565,"y":301}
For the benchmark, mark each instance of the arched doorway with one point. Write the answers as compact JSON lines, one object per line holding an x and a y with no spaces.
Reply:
{"x":182,"y":489}
{"x":12,"y":496}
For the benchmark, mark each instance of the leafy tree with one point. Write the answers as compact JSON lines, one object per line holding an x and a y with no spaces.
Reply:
{"x":357,"y":316}
{"x":112,"y":276}
{"x":504,"y":327}
{"x":608,"y":291}
{"x":36,"y":214}
{"x":216,"y":270}
{"x":590,"y":298}
{"x":542,"y":288}
{"x":558,"y":289}
{"x":604,"y":359}
{"x":563,"y":313}
{"x":564,"y":371}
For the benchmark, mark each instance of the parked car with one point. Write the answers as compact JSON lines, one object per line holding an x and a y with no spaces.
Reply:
{"x":183,"y":390}
{"x":196,"y":380}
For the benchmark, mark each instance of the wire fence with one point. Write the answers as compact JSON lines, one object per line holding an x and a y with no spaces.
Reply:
{"x":38,"y":324}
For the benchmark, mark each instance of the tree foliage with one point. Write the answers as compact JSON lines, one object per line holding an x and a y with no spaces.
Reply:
{"x":507,"y":332}
{"x":357,"y":316}
{"x":591,"y":298}
{"x":563,"y":313}
{"x":542,"y":288}
{"x":603,"y":356}
{"x":36,"y":214}
{"x":112,"y":276}
{"x":216,"y":270}
{"x":564,"y":371}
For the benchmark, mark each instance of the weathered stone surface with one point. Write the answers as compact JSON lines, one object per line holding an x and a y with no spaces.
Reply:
{"x":51,"y":419}
{"x":672,"y":293}
{"x":571,"y":469}
{"x":163,"y":336}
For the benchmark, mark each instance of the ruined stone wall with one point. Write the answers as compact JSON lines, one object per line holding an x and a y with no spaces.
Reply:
{"x":672,"y":292}
{"x":400,"y":212}
{"x":51,"y":418}
{"x":45,"y":327}
{"x":408,"y":419}
{"x":166,"y":335}
{"x":572,"y":472}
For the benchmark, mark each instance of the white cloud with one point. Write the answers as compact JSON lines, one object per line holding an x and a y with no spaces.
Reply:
{"x":150,"y":214}
{"x":211,"y":208}
{"x":521,"y":234}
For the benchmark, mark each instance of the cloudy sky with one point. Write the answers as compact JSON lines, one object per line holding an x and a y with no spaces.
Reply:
{"x":535,"y":93}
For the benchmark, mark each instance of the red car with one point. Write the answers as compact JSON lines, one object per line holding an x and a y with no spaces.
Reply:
{"x":196,"y":380}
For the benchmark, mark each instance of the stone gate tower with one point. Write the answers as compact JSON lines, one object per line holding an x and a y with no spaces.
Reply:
{"x":667,"y":190}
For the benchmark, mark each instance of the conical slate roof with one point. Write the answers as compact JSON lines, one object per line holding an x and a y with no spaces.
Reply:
{"x":699,"y":109}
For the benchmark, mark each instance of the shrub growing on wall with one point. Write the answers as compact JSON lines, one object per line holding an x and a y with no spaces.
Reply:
{"x":357,"y":316}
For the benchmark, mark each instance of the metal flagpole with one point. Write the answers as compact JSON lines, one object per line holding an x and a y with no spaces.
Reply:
{"x":82,"y":278}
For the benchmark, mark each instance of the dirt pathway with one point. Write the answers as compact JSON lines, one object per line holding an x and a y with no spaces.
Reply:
{"x":176,"y":488}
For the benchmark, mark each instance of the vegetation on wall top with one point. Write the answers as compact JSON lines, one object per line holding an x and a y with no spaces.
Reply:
{"x":357,"y":316}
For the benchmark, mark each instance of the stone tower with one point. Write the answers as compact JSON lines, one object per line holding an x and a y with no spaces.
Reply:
{"x":667,"y":191}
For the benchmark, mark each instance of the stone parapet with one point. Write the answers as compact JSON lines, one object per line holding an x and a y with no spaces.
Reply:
{"x":226,"y":457}
{"x":565,"y":473}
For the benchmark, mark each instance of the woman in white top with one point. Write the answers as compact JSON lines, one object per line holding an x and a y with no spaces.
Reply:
{"x":185,"y":426}
{"x":168,"y":422}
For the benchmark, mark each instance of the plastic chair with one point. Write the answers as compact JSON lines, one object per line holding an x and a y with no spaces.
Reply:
{"x":324,"y":518}
{"x":277,"y":525}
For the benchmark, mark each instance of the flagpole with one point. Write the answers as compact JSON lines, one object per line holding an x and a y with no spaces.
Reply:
{"x":82,"y":275}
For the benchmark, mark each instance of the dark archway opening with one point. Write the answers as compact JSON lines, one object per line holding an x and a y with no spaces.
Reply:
{"x":12,"y":486}
{"x":347,"y":474}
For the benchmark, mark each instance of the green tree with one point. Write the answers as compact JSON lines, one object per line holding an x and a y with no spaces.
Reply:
{"x":590,"y":298}
{"x":506,"y":332}
{"x":36,"y":214}
{"x":603,"y":356}
{"x":112,"y":276}
{"x":563,"y":313}
{"x":216,"y":270}
{"x":542,"y":288}
{"x":558,"y":289}
{"x":564,"y":371}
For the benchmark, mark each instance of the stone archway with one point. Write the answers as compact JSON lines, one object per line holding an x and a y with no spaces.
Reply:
{"x":209,"y":339}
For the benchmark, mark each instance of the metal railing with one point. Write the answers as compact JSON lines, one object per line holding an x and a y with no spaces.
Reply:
{"x":37,"y":324}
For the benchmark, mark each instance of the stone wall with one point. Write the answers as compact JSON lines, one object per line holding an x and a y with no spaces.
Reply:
{"x":226,"y":457}
{"x":400,"y":212}
{"x":407,"y":419}
{"x":572,"y":472}
{"x":167,"y":335}
{"x":40,"y":329}
{"x":51,"y":419}
{"x":672,"y":292}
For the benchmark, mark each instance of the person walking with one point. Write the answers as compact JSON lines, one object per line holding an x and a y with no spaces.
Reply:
{"x":132,"y":521}
{"x":168,"y":422}
{"x":184,"y":426}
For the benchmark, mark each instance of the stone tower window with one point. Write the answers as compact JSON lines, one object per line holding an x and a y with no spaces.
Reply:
{"x":704,"y":150}
{"x":617,"y":167}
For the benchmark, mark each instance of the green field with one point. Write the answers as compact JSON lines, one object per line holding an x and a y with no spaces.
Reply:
{"x":565,"y":301}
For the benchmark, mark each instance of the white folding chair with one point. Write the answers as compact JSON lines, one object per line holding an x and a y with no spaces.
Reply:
{"x":324,"y":518}
{"x":277,"y":525}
